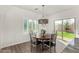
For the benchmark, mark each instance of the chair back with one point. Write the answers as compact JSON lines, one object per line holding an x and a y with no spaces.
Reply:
{"x":54,"y":37}
{"x":31,"y":37}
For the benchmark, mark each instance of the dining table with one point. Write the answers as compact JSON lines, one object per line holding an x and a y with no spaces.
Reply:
{"x":46,"y":37}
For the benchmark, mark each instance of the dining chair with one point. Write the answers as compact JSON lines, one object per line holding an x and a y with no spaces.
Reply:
{"x":34,"y":42}
{"x":52,"y":42}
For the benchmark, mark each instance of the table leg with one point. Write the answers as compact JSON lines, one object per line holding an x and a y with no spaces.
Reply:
{"x":42,"y":45}
{"x":36,"y":46}
{"x":50,"y":46}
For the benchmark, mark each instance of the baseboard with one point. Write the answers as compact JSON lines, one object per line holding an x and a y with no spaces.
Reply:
{"x":12,"y":44}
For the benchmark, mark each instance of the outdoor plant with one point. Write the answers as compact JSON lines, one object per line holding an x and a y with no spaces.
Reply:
{"x":66,"y":26}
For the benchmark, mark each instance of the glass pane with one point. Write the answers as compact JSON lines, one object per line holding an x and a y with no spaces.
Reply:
{"x":69,"y":30}
{"x":30,"y":26}
{"x":25,"y":25}
{"x":58,"y":28}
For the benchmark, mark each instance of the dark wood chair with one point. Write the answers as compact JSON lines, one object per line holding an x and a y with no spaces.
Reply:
{"x":51,"y":42}
{"x":34,"y":42}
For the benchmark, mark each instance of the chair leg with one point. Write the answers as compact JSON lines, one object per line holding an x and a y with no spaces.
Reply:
{"x":31,"y":48}
{"x":36,"y":48}
{"x":50,"y":49}
{"x":54,"y":49}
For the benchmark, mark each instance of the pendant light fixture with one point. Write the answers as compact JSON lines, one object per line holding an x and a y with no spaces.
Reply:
{"x":43,"y":20}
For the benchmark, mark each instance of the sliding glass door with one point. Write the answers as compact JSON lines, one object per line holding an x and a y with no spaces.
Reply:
{"x":68,"y":29}
{"x":65,"y":29}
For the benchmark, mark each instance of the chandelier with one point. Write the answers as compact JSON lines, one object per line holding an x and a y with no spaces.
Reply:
{"x":43,"y":20}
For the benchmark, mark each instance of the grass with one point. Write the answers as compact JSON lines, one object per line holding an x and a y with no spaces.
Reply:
{"x":67,"y":35}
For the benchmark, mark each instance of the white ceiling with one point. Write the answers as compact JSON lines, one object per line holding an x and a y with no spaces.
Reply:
{"x":49,"y":9}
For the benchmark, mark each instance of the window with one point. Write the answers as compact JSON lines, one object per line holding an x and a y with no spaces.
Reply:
{"x":30,"y":25}
{"x":25,"y":25}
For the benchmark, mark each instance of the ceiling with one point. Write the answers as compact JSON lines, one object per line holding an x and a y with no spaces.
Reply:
{"x":48,"y":9}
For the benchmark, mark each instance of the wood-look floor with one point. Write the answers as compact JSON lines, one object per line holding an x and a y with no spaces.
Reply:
{"x":23,"y":48}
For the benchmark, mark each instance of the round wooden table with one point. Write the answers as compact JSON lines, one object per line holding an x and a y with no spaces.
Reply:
{"x":42,"y":39}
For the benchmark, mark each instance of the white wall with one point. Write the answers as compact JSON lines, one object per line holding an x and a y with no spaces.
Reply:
{"x":12,"y":25}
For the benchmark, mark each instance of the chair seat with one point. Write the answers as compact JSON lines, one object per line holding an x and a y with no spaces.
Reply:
{"x":49,"y":43}
{"x":37,"y":42}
